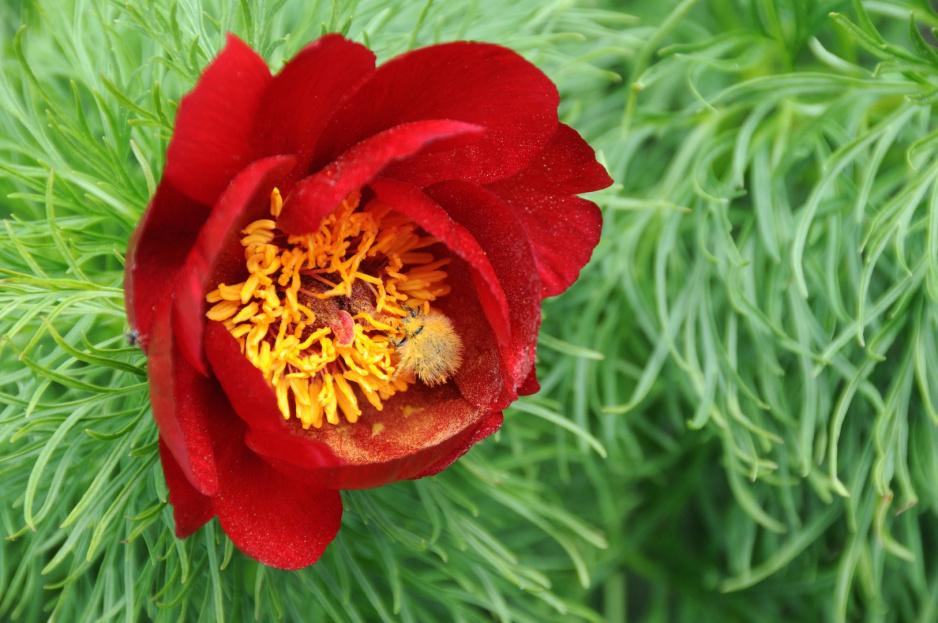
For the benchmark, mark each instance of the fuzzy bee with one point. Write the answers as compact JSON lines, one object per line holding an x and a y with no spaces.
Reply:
{"x":430,"y":349}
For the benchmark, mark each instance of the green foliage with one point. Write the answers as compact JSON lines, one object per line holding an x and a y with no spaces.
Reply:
{"x":771,"y":256}
{"x":739,"y":397}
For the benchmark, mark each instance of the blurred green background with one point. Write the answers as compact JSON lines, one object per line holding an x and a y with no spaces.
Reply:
{"x":737,"y":419}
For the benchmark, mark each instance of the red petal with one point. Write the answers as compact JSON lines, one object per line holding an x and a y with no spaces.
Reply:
{"x":412,"y":202}
{"x":562,"y":229}
{"x":295,"y":108}
{"x":271,"y":518}
{"x":489,"y":424}
{"x":566,"y":166}
{"x":414,"y":430}
{"x":218,"y":256}
{"x":478,"y":83}
{"x":530,"y":385}
{"x":318,"y":195}
{"x":212,"y":136}
{"x":191,"y":509}
{"x":255,"y":403}
{"x":183,"y":402}
{"x":497,"y":230}
{"x":156,"y":252}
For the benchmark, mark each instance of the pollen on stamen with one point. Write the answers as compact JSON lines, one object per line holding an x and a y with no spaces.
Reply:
{"x":316,"y":312}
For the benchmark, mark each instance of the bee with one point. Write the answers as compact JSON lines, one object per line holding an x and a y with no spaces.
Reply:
{"x":430,"y":349}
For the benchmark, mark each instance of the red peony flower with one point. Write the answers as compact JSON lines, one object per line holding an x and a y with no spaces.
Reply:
{"x":338,"y":281}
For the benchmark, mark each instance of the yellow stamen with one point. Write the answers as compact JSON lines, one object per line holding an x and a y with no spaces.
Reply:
{"x":367,"y":262}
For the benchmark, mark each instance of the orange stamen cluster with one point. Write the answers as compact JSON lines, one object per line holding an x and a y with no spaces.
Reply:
{"x":315,"y":312}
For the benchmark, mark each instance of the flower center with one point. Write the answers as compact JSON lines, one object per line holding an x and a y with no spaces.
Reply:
{"x":319,"y":313}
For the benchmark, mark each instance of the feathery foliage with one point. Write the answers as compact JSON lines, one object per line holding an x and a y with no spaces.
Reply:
{"x":772,"y":257}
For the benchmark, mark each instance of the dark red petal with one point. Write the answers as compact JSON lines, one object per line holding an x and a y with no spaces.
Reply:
{"x":191,"y":509}
{"x":478,"y":83}
{"x":413,"y":202}
{"x":271,"y":518}
{"x":562,"y":229}
{"x":318,"y":195}
{"x":212,"y":135}
{"x":487,"y":426}
{"x":255,"y":403}
{"x":218,"y":256}
{"x":303,"y":95}
{"x":500,"y":234}
{"x":183,"y":403}
{"x":566,"y":166}
{"x":530,"y":385}
{"x":415,"y":430}
{"x":156,"y":252}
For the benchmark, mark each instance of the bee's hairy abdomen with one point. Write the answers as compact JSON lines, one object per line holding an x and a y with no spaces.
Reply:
{"x":431,"y":348}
